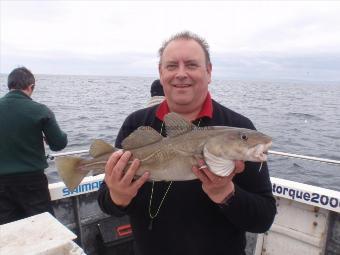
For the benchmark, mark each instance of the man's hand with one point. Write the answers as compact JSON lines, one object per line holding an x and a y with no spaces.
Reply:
{"x":123,"y":188}
{"x":216,"y":187}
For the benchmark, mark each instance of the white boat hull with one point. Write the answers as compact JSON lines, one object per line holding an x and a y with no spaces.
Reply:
{"x":308,"y":219}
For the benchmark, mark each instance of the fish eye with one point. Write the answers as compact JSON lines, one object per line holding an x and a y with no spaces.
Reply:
{"x":244,"y":137}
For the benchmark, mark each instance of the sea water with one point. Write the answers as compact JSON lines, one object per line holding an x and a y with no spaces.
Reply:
{"x":302,"y":117}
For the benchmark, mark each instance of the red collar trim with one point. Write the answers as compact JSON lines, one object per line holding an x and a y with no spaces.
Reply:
{"x":206,"y":111}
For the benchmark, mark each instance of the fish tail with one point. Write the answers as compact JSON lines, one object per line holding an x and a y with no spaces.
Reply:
{"x":67,"y":169}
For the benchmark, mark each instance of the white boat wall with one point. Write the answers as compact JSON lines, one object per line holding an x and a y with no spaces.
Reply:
{"x":308,"y":220}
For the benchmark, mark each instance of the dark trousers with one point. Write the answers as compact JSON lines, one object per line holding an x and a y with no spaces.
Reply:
{"x":23,"y":195}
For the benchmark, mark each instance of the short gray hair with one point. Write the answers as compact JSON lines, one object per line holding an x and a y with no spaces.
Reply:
{"x":186,"y":35}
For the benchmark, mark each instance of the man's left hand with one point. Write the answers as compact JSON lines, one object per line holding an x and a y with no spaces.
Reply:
{"x":216,"y":187}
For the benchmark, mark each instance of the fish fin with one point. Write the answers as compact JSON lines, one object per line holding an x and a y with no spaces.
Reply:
{"x":176,"y":125}
{"x":67,"y":169}
{"x":141,"y":137}
{"x":100,"y":147}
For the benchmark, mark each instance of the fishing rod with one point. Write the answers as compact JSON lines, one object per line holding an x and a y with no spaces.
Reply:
{"x":276,"y":153}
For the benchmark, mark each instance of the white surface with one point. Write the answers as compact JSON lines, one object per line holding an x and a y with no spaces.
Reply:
{"x":307,"y":194}
{"x":298,"y":229}
{"x":312,"y":195}
{"x":70,"y":248}
{"x":39,"y":234}
{"x":89,"y":184}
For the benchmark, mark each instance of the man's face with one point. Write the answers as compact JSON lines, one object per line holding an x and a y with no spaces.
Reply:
{"x":184,"y":74}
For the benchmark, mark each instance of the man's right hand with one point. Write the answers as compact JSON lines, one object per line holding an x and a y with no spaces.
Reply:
{"x":122,"y":186}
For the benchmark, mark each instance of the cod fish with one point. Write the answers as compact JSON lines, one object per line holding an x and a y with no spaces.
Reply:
{"x":171,"y":158}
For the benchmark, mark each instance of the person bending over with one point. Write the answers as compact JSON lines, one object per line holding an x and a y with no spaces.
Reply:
{"x":24,"y":126}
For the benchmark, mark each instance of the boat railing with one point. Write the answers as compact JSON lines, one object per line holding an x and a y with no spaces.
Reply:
{"x":299,"y":156}
{"x":304,"y":193}
{"x":68,"y":153}
{"x":314,"y":196}
{"x":276,"y":153}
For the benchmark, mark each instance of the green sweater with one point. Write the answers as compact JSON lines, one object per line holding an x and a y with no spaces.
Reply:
{"x":23,"y":122}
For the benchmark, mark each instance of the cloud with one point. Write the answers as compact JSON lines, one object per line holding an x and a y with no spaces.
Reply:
{"x":122,"y":38}
{"x":270,"y":65}
{"x":117,"y":64}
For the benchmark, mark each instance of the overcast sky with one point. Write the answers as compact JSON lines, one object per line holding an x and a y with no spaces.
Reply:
{"x":248,"y":40}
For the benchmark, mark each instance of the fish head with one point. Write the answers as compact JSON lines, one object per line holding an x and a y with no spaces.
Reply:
{"x":240,"y":144}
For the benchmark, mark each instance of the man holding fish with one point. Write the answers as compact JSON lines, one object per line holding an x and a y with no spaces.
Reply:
{"x":191,"y":192}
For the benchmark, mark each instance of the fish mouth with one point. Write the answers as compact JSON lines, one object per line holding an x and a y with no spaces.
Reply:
{"x":261,"y":151}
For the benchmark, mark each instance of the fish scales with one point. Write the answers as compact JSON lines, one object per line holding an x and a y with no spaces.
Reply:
{"x":171,"y":158}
